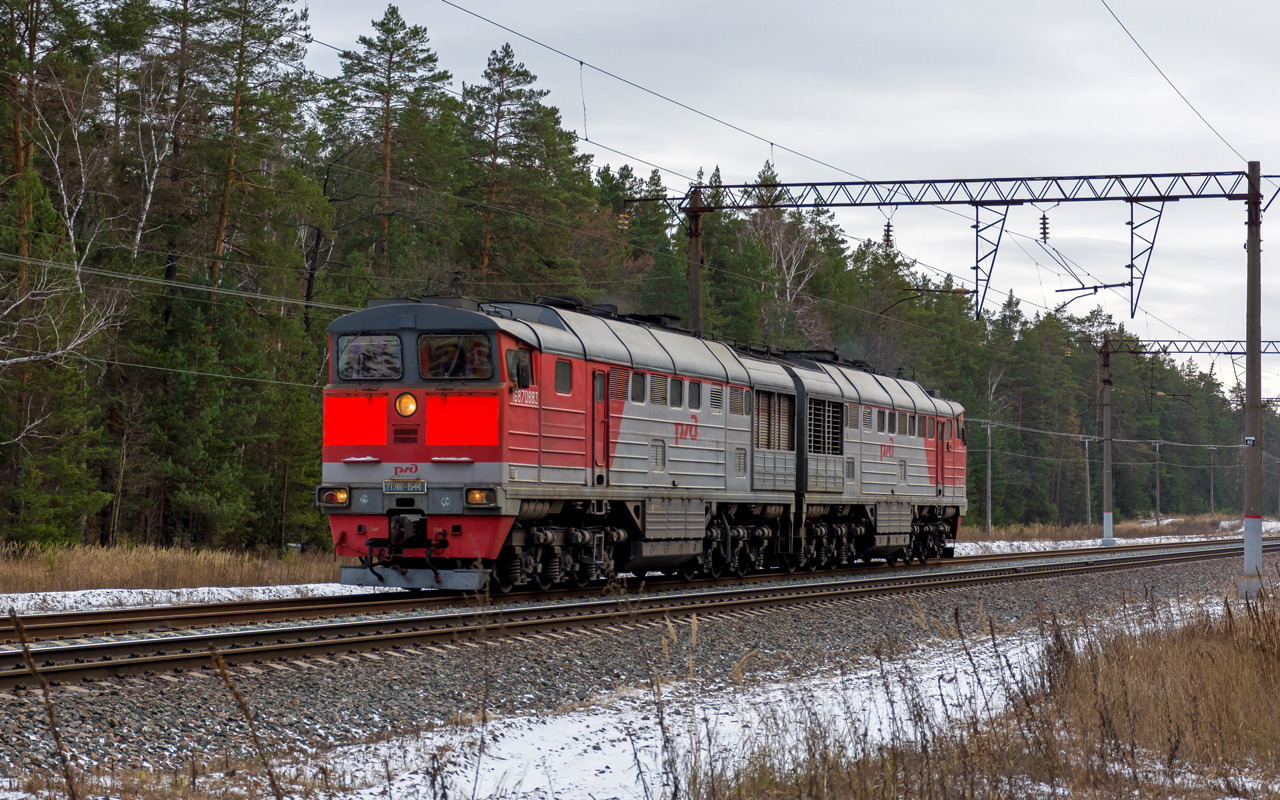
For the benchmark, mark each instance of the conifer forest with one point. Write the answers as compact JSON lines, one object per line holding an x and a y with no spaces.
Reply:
{"x":184,"y":208}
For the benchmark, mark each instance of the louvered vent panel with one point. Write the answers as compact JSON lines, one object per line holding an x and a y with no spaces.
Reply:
{"x":737,"y":403}
{"x":851,"y":419}
{"x":618,"y":383}
{"x":902,"y":424}
{"x":850,"y":468}
{"x":657,"y":456}
{"x":866,"y":419}
{"x":740,"y":462}
{"x":658,"y":390}
{"x":404,"y":434}
{"x":717,"y":399}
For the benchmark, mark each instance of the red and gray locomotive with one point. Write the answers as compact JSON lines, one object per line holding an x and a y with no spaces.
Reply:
{"x":535,"y":444}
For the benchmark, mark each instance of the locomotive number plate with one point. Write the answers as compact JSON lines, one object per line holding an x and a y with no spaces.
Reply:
{"x":403,"y":487}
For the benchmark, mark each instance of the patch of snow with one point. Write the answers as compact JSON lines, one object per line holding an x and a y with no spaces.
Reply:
{"x":995,"y":547}
{"x":620,"y":750}
{"x":93,"y":599}
{"x":1237,"y":526}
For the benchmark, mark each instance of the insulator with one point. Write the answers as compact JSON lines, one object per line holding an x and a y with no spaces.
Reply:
{"x":1044,"y":227}
{"x":888,"y":234}
{"x":624,"y":222}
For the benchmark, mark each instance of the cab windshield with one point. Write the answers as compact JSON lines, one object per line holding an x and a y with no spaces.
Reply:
{"x":369,"y":357}
{"x":454,"y":356}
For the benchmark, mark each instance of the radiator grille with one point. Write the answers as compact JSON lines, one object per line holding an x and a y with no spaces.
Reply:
{"x":824,"y":427}
{"x":618,"y":384}
{"x":737,"y":401}
{"x":404,"y":434}
{"x":851,"y":417}
{"x":658,"y":390}
{"x":717,"y":399}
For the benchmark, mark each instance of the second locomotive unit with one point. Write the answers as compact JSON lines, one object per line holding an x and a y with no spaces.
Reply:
{"x":546,"y":443}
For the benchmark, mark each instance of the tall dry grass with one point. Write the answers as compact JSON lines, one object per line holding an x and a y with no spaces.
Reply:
{"x":1151,"y":707}
{"x":1203,"y":526}
{"x":37,"y":568}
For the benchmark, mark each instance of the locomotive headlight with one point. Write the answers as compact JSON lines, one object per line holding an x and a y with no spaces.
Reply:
{"x":481,"y":497}
{"x":332,"y":496}
{"x":406,"y":405}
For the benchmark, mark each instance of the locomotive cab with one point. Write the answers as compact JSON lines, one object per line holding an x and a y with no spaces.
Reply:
{"x":413,"y":432}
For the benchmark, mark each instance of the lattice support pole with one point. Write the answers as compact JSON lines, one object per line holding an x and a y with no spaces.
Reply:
{"x":1144,"y":224}
{"x":988,"y":226}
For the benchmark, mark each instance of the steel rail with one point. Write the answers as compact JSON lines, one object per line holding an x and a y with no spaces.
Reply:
{"x":64,"y":625}
{"x":91,"y":662}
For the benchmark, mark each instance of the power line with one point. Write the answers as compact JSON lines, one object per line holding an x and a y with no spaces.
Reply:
{"x":1170,"y":82}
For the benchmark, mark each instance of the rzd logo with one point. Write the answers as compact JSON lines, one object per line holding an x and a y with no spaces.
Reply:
{"x":687,"y":430}
{"x":886,"y":450}
{"x":412,"y":469}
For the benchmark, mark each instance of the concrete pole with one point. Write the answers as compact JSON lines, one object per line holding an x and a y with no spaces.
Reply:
{"x":696,"y":260}
{"x":1157,"y":486}
{"x":1088,"y":492}
{"x":1212,"y":507}
{"x":1108,"y":533}
{"x":1251,"y":582}
{"x":988,"y":427}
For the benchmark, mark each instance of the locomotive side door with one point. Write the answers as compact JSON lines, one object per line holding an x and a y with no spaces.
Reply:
{"x":940,"y":455}
{"x":599,"y":429}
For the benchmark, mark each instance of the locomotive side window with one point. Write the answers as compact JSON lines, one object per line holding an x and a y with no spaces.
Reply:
{"x":948,"y":436}
{"x":677,"y":392}
{"x":454,"y":356}
{"x":695,"y":396}
{"x":911,"y":426}
{"x":599,"y":387}
{"x":932,"y":422}
{"x":369,"y":357}
{"x":880,"y":425}
{"x":564,"y":377}
{"x":637,"y":387}
{"x":893,"y":423}
{"x":517,"y":361}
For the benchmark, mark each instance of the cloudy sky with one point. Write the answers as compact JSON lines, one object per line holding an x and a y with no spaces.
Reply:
{"x":920,"y":90}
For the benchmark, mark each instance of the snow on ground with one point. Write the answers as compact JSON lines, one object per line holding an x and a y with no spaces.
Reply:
{"x":998,"y":547}
{"x":95,"y":599}
{"x":618,"y":749}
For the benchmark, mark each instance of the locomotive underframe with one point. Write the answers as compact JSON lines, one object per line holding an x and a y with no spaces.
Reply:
{"x":577,"y":541}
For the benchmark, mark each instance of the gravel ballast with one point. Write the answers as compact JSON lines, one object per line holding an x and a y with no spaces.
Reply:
{"x":164,"y":722}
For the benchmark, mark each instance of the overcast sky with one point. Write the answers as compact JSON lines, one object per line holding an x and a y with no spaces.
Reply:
{"x":929,"y":89}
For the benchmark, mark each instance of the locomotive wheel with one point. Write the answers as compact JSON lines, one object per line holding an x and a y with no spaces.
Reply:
{"x":688,"y":570}
{"x":891,"y":559}
{"x":788,"y":562}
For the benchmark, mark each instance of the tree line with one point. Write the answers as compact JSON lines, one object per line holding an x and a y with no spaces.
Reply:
{"x":184,"y":207}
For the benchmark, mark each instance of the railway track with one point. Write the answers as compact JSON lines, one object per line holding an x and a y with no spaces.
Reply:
{"x":151,"y":619}
{"x":88,"y":662}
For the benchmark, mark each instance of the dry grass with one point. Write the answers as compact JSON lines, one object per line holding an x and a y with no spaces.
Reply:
{"x":1151,"y":707}
{"x":33,"y":568}
{"x":1197,"y":526}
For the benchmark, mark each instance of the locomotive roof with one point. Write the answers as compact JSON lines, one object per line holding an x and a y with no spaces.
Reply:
{"x":636,"y":345}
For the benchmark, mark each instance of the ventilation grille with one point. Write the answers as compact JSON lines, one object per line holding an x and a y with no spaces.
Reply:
{"x":740,"y":462}
{"x":717,"y":399}
{"x":824,"y":427}
{"x":866,"y":419}
{"x":618,"y":384}
{"x":775,"y":421}
{"x":658,"y":456}
{"x":850,"y":469}
{"x":658,"y":390}
{"x":902,"y":471}
{"x":851,"y":417}
{"x":404,"y":435}
{"x":737,"y":401}
{"x":902,"y":423}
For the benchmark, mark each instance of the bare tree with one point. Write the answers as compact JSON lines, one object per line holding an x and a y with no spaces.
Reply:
{"x":46,"y":322}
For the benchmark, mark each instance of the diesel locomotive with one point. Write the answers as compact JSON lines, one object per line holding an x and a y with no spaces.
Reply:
{"x":532,"y":444}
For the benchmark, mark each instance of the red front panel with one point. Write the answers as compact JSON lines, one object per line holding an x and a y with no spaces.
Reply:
{"x":461,"y":421}
{"x":476,"y":537}
{"x":355,"y":420}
